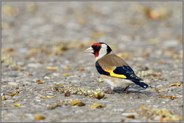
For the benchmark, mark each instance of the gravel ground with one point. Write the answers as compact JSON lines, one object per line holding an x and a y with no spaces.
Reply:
{"x":47,"y":76}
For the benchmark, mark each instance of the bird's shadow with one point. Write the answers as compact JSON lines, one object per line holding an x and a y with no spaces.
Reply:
{"x":121,"y":90}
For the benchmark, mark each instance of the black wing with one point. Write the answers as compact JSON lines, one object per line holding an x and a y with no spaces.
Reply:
{"x":126,"y":70}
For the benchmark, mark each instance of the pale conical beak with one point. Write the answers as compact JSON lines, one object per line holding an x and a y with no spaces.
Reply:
{"x":89,"y":50}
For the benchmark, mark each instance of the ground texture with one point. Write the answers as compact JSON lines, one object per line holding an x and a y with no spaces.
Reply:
{"x":46,"y":76}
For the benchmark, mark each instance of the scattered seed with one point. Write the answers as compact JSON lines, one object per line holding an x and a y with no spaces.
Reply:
{"x":15,"y":93}
{"x":17,"y":105}
{"x":66,"y":74}
{"x":39,"y":117}
{"x":77,"y":103}
{"x":130,"y":115}
{"x":96,"y":106}
{"x":177,"y":84}
{"x":67,"y":94}
{"x":52,"y":68}
{"x":164,"y":115}
{"x":40,"y":81}
{"x":3,"y":98}
{"x":99,"y":95}
{"x":169,"y":97}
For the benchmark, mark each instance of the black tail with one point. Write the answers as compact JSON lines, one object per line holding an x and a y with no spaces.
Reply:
{"x":142,"y":84}
{"x":139,"y":82}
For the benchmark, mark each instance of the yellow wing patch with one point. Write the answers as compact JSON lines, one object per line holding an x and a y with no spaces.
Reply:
{"x":114,"y":74}
{"x":117,"y":75}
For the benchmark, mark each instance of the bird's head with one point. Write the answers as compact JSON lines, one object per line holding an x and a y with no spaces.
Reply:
{"x":99,"y":50}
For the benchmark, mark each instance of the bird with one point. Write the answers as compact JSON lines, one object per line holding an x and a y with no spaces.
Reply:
{"x":113,"y":68}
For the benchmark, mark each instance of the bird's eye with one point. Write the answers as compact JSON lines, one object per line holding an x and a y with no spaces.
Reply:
{"x":96,"y":48}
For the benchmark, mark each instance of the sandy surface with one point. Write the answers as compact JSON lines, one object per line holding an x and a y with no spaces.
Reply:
{"x":42,"y":52}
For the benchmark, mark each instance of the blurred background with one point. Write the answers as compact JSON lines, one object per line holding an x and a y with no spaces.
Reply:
{"x":43,"y":43}
{"x":91,"y":21}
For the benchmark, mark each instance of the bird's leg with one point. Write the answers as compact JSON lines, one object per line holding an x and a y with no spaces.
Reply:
{"x":126,"y":89}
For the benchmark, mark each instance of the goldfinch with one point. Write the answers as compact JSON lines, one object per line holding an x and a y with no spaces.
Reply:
{"x":111,"y":67}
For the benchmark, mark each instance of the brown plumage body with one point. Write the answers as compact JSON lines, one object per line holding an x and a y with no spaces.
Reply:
{"x":110,"y":62}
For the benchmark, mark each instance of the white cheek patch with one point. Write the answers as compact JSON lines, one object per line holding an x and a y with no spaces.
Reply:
{"x":102,"y":52}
